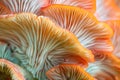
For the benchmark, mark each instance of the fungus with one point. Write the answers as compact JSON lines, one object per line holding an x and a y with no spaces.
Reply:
{"x":105,"y":67}
{"x":91,"y":33}
{"x":18,"y":6}
{"x":107,"y":10}
{"x":68,"y":72}
{"x":89,"y":5}
{"x":115,"y":25}
{"x":40,"y":45}
{"x":9,"y":70}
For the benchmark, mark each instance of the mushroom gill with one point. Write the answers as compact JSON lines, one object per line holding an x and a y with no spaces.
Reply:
{"x":115,"y":25}
{"x":89,"y":5}
{"x":18,"y":6}
{"x":107,"y":10}
{"x":10,"y":71}
{"x":40,"y":44}
{"x":68,"y":72}
{"x":8,"y":65}
{"x":106,"y":67}
{"x":91,"y":33}
{"x":6,"y":52}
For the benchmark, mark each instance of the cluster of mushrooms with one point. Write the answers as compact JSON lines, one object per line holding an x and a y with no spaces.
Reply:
{"x":59,"y":39}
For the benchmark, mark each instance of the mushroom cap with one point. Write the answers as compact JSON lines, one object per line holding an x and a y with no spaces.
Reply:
{"x":9,"y":70}
{"x":89,"y":5}
{"x":107,"y":10}
{"x":19,"y":6}
{"x":6,"y":53}
{"x":115,"y":25}
{"x":8,"y":61}
{"x":91,"y":33}
{"x":105,"y":67}
{"x":39,"y":44}
{"x":68,"y":72}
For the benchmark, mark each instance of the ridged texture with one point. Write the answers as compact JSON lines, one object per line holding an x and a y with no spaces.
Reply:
{"x":68,"y":72}
{"x":6,"y":52}
{"x":3,"y":9}
{"x":89,"y":5}
{"x":105,"y":68}
{"x":13,"y":71}
{"x":91,"y":34}
{"x":115,"y":25}
{"x":107,"y":10}
{"x":40,"y":44}
{"x":18,"y":6}
{"x":7,"y":56}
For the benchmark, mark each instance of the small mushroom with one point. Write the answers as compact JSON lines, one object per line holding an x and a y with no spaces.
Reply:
{"x":106,"y":67}
{"x":68,"y":72}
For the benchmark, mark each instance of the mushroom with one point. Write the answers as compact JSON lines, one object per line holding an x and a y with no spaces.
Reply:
{"x":68,"y":72}
{"x":18,"y":6}
{"x":107,"y":10}
{"x":40,"y":44}
{"x":91,"y":33}
{"x":9,"y":70}
{"x":89,"y":5}
{"x":106,"y":67}
{"x":6,"y":53}
{"x":115,"y":25}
